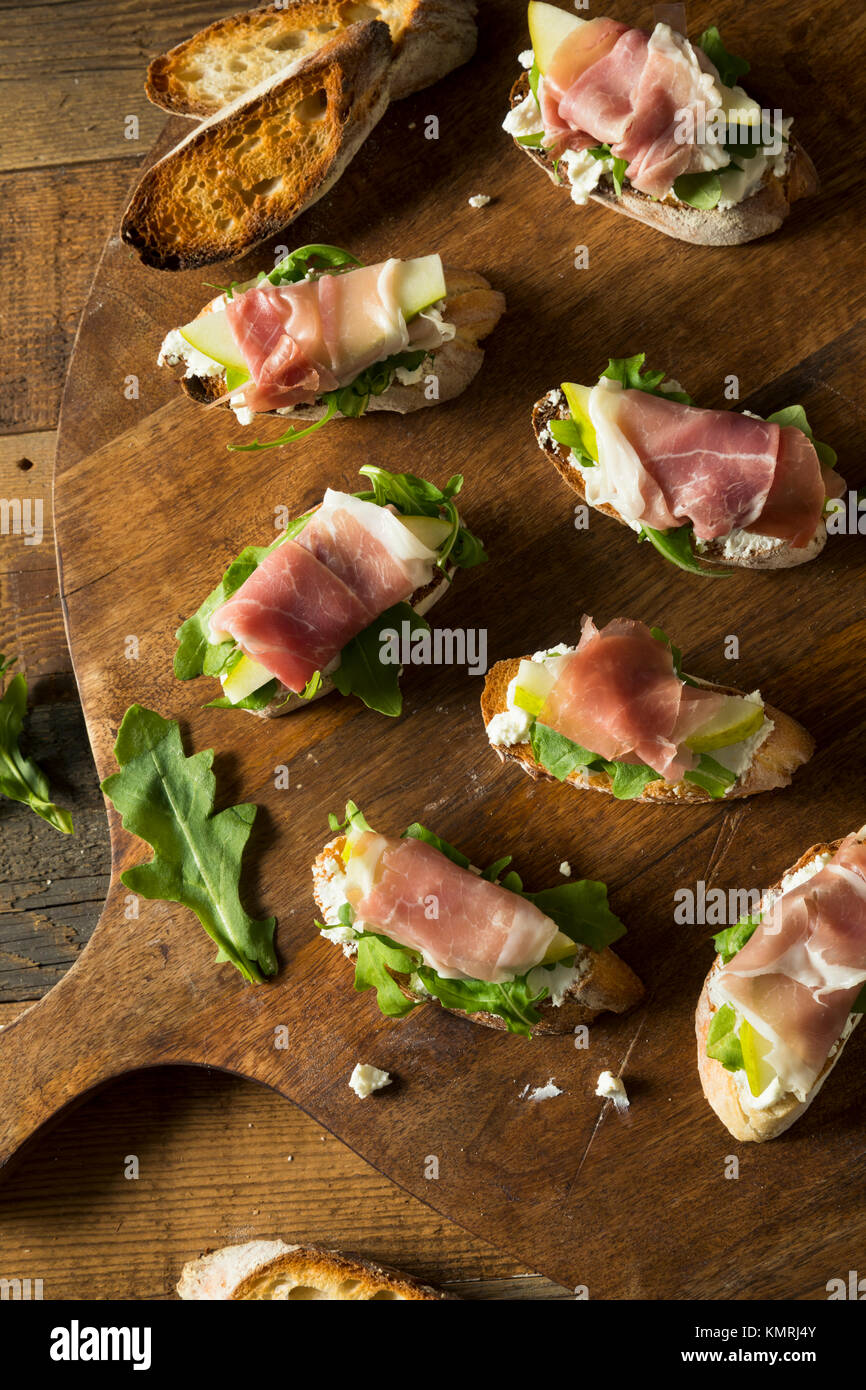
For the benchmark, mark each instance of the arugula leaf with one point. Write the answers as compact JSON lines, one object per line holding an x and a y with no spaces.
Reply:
{"x":167,"y":799}
{"x":569,"y":434}
{"x":795,"y":415}
{"x":377,"y":958}
{"x":730,"y":69}
{"x":513,"y":1000}
{"x":197,"y":654}
{"x":558,"y":754}
{"x":308,"y":261}
{"x":416,"y":831}
{"x":581,"y":910}
{"x":258,"y":700}
{"x":353,"y":818}
{"x":628,"y":780}
{"x":628,"y":371}
{"x":534,"y":141}
{"x":712,"y":776}
{"x":413,"y":496}
{"x":292,"y":434}
{"x":732,"y":939}
{"x":619,"y":165}
{"x":21,"y":779}
{"x":534,"y":79}
{"x":699,"y":190}
{"x":722,"y":1041}
{"x":362,"y":673}
{"x":676,"y":546}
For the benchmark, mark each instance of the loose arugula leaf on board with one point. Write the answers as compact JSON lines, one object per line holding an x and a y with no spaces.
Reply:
{"x":377,"y":958}
{"x":730,"y":69}
{"x":581,"y":910}
{"x":167,"y":799}
{"x":21,"y":779}
{"x":676,"y":546}
{"x":732,"y":939}
{"x":361,"y":671}
{"x":722,"y":1042}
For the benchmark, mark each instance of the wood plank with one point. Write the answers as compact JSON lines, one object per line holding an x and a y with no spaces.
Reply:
{"x":214,"y":1169}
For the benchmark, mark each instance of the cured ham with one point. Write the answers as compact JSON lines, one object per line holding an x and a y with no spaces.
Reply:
{"x":662,"y":464}
{"x":304,"y":339}
{"x":292,"y":616}
{"x":465,"y":927}
{"x":369,"y":548}
{"x":798,"y":976}
{"x":619,"y":696}
{"x":644,"y":95}
{"x":313,"y":594}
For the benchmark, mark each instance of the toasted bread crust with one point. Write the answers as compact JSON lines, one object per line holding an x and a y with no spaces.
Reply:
{"x":608,"y":985}
{"x":470,"y":304}
{"x":224,"y":60}
{"x":246,"y":173}
{"x":275,"y":1270}
{"x":774,"y":763}
{"x":757,"y":216}
{"x":782,"y":556}
{"x":718,"y":1084}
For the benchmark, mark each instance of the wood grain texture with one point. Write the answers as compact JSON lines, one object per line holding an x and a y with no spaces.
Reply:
{"x":549,"y":1182}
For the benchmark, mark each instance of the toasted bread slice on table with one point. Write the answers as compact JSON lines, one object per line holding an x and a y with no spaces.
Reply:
{"x":226,"y":59}
{"x":247,"y":172}
{"x":601,"y":983}
{"x":786,"y":748}
{"x":279,"y":1272}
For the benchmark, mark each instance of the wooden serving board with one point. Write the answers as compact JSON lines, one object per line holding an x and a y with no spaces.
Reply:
{"x":150,"y":508}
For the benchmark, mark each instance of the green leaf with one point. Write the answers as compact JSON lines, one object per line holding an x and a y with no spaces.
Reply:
{"x":361,"y":671}
{"x":420,"y":832}
{"x":630,"y":373}
{"x":628,"y":780}
{"x":377,"y":958}
{"x":413,"y":496}
{"x":534,"y":78}
{"x":676,"y":655}
{"x":569,"y":434}
{"x":619,"y":165}
{"x":291,"y":435}
{"x":167,"y":799}
{"x":732,"y":939}
{"x":556,"y":753}
{"x":533,"y":141}
{"x":722,"y":1041}
{"x":676,"y":546}
{"x":699,"y":190}
{"x":795,"y":415}
{"x":730,"y":69}
{"x":258,"y":700}
{"x":581,"y":910}
{"x":21,"y":779}
{"x":513,"y":1000}
{"x":352,"y":819}
{"x":712,"y":776}
{"x":308,"y":261}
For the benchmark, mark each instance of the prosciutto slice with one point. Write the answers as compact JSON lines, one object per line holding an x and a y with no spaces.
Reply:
{"x":465,"y":927}
{"x":293,"y":615}
{"x":370,"y":550}
{"x":317,"y":335}
{"x":662,"y":464}
{"x":619,"y":696}
{"x":797,"y":977}
{"x":643,"y":94}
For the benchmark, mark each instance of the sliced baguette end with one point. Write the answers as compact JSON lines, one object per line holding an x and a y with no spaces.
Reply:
{"x":276,"y":1271}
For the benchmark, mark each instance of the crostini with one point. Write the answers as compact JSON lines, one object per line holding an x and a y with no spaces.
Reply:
{"x":618,"y":714}
{"x":420,"y":924}
{"x":321,"y":336}
{"x":326,"y":605}
{"x":655,"y":127}
{"x":785,"y":993}
{"x":704,"y":487}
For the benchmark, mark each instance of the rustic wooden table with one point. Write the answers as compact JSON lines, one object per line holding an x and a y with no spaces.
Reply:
{"x":219,"y":1160}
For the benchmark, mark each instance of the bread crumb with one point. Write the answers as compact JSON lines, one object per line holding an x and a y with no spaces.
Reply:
{"x":479,"y":200}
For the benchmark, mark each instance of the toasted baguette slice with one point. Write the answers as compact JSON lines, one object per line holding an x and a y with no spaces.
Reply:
{"x":470,"y":304}
{"x":781,"y":555}
{"x":603,"y":983}
{"x":245,"y":173}
{"x":287,"y":702}
{"x":271,"y":1269}
{"x":757,"y":216}
{"x":774,"y":763}
{"x":718,"y":1083}
{"x":223,"y":61}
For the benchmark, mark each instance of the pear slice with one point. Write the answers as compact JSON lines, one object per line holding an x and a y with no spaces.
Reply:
{"x":756,"y":1048}
{"x":431,"y":531}
{"x":211,"y":334}
{"x":736,"y":720}
{"x":560,"y":948}
{"x":578,"y":406}
{"x":420,"y":283}
{"x":549,"y":26}
{"x":533,"y":685}
{"x":245,"y":677}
